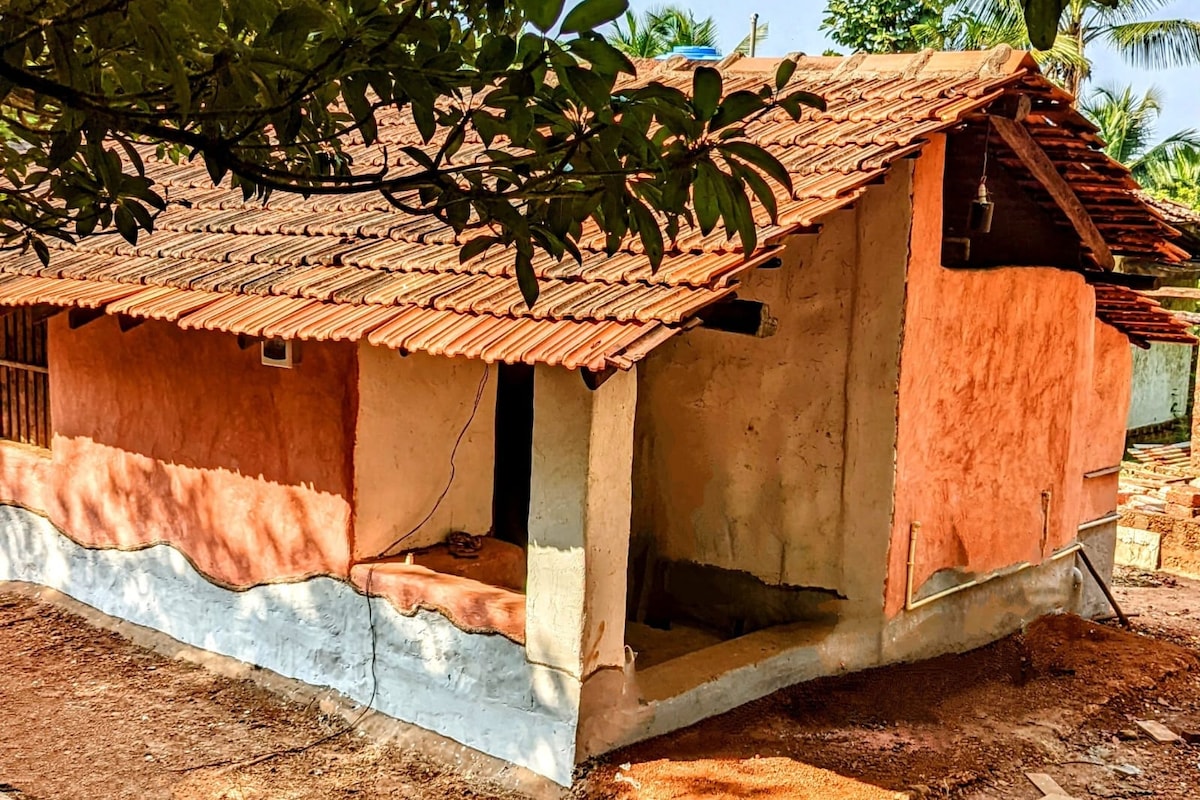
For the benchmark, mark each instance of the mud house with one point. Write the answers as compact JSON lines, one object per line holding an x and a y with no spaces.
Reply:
{"x":1164,"y":374}
{"x":877,"y":438}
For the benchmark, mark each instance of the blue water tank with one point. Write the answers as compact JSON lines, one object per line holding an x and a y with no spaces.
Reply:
{"x":693,"y":53}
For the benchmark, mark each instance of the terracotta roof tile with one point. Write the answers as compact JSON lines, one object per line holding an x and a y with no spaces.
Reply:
{"x":353,"y":267}
{"x":1141,"y":319}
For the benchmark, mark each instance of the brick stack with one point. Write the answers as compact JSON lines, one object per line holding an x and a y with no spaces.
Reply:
{"x":1183,"y":502}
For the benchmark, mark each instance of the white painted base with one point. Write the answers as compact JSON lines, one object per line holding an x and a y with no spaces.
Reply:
{"x":476,"y":689}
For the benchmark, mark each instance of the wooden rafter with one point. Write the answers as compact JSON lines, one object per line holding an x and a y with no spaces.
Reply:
{"x":1042,"y":168}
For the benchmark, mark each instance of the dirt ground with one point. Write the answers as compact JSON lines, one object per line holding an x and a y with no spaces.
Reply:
{"x":86,"y":714}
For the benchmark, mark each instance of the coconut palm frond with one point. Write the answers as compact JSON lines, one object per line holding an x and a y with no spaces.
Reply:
{"x":1066,"y":56}
{"x":1164,"y":152}
{"x":1002,"y":23}
{"x":679,"y":27}
{"x":995,"y":13}
{"x":1157,"y":44}
{"x":760,"y":37}
{"x":1120,"y":12}
{"x":637,"y":38}
{"x":1127,"y":124}
{"x":1180,"y":170}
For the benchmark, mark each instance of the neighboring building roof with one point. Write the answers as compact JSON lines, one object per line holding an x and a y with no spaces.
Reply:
{"x":353,"y":267}
{"x":1176,"y":214}
{"x":1141,"y":319}
{"x":1184,"y":218}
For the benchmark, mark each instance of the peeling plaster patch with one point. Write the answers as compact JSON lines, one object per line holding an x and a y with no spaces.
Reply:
{"x":478,"y":690}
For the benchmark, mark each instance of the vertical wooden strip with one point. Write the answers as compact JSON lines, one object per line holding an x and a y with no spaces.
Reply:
{"x":39,"y":396}
{"x":5,"y":431}
{"x":9,"y":397}
{"x":21,"y":375}
{"x":49,"y":415}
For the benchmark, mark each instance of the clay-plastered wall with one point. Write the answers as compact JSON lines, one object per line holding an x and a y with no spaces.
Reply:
{"x":411,"y":411}
{"x":741,"y":443}
{"x":165,"y":435}
{"x":996,"y":377}
{"x":1101,"y":434}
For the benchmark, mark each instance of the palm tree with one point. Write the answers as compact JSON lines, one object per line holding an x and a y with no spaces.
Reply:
{"x":1127,"y":125}
{"x":760,"y":36}
{"x":1177,"y":177}
{"x":660,"y":30}
{"x":1123,"y":24}
{"x":639,"y":37}
{"x":967,"y":28}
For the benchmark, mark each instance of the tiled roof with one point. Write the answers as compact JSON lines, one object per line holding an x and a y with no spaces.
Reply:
{"x":1173,"y":212}
{"x":353,"y":267}
{"x":1141,"y":319}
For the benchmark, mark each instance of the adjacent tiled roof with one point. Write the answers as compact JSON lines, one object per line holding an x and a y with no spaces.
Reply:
{"x":1183,"y":218}
{"x":1175,"y":213}
{"x":1141,"y":319}
{"x":353,"y":267}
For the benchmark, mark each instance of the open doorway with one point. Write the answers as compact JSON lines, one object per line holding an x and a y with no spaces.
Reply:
{"x":514,"y":454}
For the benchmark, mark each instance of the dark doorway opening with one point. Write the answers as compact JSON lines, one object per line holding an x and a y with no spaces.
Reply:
{"x":514,"y":453}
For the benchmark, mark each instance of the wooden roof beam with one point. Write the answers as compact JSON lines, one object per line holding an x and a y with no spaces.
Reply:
{"x":1037,"y":162}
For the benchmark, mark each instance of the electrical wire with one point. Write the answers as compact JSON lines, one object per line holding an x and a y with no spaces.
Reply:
{"x":453,"y":467}
{"x":370,"y":612}
{"x":289,"y":751}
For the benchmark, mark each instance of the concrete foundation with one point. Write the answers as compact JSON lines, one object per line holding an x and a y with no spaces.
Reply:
{"x":475,"y":689}
{"x":717,"y":679}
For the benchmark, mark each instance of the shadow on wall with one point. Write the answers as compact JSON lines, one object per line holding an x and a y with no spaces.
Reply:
{"x":195,"y":399}
{"x":164,"y":435}
{"x":236,"y":530}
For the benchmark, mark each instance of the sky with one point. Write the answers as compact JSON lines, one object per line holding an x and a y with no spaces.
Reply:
{"x":795,"y":23}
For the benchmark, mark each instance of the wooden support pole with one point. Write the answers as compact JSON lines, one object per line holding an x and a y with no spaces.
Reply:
{"x":1039,"y":164}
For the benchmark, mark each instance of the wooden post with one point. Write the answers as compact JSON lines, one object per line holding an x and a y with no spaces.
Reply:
{"x":1039,"y":164}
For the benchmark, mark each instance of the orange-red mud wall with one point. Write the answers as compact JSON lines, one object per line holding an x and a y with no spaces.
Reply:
{"x":166,"y":435}
{"x":1009,"y":391}
{"x":1100,"y":432}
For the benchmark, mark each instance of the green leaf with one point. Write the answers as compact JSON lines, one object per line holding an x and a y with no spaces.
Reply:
{"x":760,"y":187}
{"x":126,"y":224}
{"x":802,"y":98}
{"x":543,"y":13}
{"x":594,"y":91}
{"x":424,"y":119}
{"x":648,"y":230}
{"x":783,"y":73}
{"x":41,"y":250}
{"x":736,"y":108}
{"x":601,"y":55}
{"x":757,"y":156}
{"x":496,"y":54}
{"x":743,"y":217}
{"x":526,"y":279}
{"x":591,"y":14}
{"x":704,"y":196}
{"x":706,"y":92}
{"x":85,"y":223}
{"x":144,"y":218}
